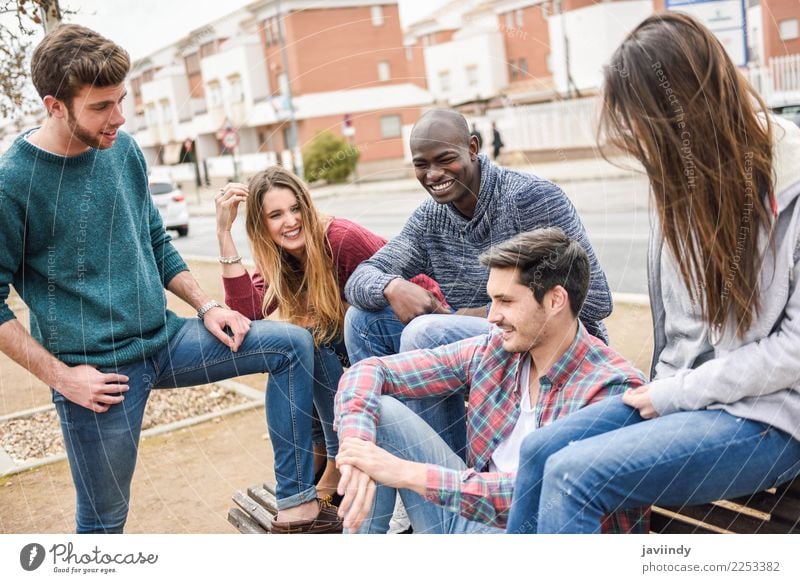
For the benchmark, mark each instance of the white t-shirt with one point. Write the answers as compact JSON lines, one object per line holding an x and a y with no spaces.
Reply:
{"x":506,"y":457}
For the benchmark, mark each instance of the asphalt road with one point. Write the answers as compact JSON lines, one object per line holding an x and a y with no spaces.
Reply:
{"x":614,"y":212}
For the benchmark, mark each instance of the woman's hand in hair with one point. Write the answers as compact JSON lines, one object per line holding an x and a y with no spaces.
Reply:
{"x":227,"y":204}
{"x":639,"y":399}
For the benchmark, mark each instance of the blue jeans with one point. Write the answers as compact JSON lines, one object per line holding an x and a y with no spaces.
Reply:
{"x":380,"y":333}
{"x":329,"y":362}
{"x":606,"y":457}
{"x":402,"y":433}
{"x":102,"y":447}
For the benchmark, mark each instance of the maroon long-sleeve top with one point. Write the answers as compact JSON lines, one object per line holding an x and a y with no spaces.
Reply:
{"x":348,"y":244}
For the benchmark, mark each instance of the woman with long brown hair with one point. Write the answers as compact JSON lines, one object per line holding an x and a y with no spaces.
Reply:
{"x":721,"y":417}
{"x":303,"y":260}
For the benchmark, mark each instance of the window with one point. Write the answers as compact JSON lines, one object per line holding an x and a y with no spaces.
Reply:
{"x":523,"y":67}
{"x":472,"y":76}
{"x":215,"y":94}
{"x":509,"y":20}
{"x":789,"y":29}
{"x":237,"y":91}
{"x":512,"y":71}
{"x":409,"y":53}
{"x":444,"y":81}
{"x":136,"y":86}
{"x":207,"y":49}
{"x":384,"y":71}
{"x":377,"y":16}
{"x":391,"y":126}
{"x":151,"y":115}
{"x":277,"y":32}
{"x":192,"y":63}
{"x":267,"y":33}
{"x":166,"y":111}
{"x":520,"y":20}
{"x":283,"y":84}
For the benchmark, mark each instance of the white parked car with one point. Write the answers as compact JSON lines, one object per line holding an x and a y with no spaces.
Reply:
{"x":171,"y":205}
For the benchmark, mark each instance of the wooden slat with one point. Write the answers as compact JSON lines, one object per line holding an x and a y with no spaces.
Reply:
{"x":243,"y":522}
{"x":663,"y":520}
{"x":254,"y":510}
{"x":729,"y":520}
{"x":780,"y":505}
{"x":264,"y":498}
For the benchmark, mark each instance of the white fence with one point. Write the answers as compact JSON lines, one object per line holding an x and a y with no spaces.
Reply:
{"x":562,"y":125}
{"x":779,"y":81}
{"x":223,"y":166}
{"x":559,"y":125}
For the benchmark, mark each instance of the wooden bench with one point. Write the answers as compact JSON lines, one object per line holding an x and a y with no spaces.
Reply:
{"x":255,"y":509}
{"x":775,"y":511}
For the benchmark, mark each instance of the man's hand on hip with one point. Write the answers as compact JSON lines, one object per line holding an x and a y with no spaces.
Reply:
{"x":86,"y":386}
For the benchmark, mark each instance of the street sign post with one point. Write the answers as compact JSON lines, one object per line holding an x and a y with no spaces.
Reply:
{"x":230,"y":139}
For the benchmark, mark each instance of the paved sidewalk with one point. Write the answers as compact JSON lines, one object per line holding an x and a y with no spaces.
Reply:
{"x":184,"y":480}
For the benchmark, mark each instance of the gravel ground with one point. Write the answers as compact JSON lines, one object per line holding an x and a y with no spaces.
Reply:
{"x":39,"y":436}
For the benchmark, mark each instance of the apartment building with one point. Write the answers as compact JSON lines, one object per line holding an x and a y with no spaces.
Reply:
{"x":549,"y":49}
{"x":339,"y":65}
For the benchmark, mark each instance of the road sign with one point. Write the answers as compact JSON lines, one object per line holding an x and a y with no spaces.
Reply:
{"x":230,"y":139}
{"x":727,"y":19}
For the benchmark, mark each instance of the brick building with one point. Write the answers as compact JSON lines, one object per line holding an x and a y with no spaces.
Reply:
{"x":338,"y":60}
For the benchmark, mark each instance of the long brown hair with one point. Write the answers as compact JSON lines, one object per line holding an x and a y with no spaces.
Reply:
{"x":301,"y":291}
{"x":675,"y":101}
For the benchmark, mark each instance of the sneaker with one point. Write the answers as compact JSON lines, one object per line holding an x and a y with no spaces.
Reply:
{"x":326,"y":522}
{"x":400,"y":523}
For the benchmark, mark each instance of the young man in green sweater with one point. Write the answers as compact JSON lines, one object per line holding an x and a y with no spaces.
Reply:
{"x":85,"y":248}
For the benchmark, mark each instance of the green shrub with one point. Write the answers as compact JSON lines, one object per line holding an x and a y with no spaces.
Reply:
{"x":328,"y":157}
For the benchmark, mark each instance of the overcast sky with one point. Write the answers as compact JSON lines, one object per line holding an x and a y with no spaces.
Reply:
{"x":143,"y":26}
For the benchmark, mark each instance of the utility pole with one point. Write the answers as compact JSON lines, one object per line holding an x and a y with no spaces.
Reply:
{"x":571,"y":86}
{"x":295,"y":147}
{"x":50,"y":13}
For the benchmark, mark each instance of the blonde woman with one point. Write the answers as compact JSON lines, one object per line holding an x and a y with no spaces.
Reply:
{"x":303,"y":260}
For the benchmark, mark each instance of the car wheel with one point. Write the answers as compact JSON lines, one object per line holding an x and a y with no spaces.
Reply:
{"x":182,"y":231}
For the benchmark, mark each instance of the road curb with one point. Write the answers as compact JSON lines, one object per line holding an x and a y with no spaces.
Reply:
{"x":9,"y":467}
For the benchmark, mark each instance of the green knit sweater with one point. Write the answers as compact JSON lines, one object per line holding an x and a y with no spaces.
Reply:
{"x":85,"y":248}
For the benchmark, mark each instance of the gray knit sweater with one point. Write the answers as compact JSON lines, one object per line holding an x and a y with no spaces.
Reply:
{"x":440,"y":242}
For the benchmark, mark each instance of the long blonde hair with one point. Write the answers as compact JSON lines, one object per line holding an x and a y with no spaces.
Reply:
{"x":674,"y":100}
{"x":302,"y":292}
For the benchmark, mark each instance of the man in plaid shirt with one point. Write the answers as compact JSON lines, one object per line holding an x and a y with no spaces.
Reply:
{"x":538,"y":365}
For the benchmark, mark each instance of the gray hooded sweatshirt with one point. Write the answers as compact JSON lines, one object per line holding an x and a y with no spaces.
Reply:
{"x":757,"y":376}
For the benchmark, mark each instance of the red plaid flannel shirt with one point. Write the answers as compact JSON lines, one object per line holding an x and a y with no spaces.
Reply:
{"x":587,"y":372}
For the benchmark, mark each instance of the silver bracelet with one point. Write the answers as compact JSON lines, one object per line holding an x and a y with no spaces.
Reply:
{"x":230,"y":260}
{"x":207,"y":307}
